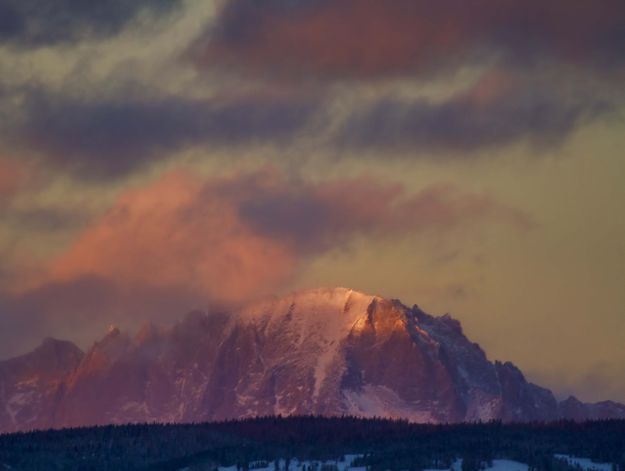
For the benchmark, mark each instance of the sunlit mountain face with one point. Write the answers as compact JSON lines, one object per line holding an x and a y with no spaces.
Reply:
{"x":164,"y":157}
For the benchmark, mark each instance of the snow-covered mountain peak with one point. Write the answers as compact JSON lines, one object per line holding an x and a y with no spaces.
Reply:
{"x":338,"y":296}
{"x":334,"y":310}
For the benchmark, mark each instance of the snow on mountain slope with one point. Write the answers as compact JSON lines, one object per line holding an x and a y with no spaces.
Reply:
{"x":315,"y":321}
{"x":324,"y":351}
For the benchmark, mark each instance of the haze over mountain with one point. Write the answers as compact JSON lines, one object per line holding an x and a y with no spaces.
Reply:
{"x":325,"y":351}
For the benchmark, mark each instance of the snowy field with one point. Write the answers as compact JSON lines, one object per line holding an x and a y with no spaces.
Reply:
{"x":345,"y":464}
{"x":498,"y":465}
{"x":585,"y":463}
{"x":506,"y":465}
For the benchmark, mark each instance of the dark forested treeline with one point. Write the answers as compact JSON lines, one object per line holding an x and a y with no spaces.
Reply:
{"x":385,"y":444}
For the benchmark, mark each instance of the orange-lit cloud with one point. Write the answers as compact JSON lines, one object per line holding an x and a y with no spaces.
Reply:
{"x":230,"y":239}
{"x":172,"y":234}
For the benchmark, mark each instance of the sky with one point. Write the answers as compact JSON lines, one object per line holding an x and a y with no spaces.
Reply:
{"x":159,"y":156}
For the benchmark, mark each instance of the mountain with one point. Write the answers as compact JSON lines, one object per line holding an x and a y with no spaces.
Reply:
{"x":32,"y":385}
{"x":326,"y":351}
{"x":573,"y":409}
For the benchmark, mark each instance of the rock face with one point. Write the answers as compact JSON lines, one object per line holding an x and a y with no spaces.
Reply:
{"x":325,"y":351}
{"x":32,"y":385}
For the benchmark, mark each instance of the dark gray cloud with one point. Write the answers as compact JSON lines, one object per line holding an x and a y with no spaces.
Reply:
{"x":314,"y":217}
{"x":301,"y":217}
{"x":100,"y":138}
{"x":468,"y":122}
{"x":108,"y":138}
{"x":32,"y":23}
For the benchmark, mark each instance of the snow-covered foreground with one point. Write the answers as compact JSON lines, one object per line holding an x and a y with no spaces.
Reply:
{"x":345,"y":464}
{"x":457,"y":466}
{"x":585,"y":463}
{"x":507,"y":465}
{"x":498,"y":465}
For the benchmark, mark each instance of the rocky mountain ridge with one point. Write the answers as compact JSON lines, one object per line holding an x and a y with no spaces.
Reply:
{"x":325,"y":351}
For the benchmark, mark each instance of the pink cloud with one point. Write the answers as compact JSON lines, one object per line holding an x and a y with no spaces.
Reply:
{"x":230,"y":239}
{"x":172,"y":234}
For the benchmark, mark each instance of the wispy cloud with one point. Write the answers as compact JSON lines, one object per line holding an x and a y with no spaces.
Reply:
{"x":500,"y":109}
{"x":35,"y":23}
{"x":101,"y":138}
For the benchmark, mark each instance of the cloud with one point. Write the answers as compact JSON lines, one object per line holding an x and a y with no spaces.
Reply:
{"x":231,"y":239}
{"x":185,"y":241}
{"x":11,"y":177}
{"x":172,"y":234}
{"x":313,"y":218}
{"x":498,"y":110}
{"x":106,"y":138}
{"x":35,"y":23}
{"x":101,"y":131}
{"x":15,"y":176}
{"x":367,"y":38}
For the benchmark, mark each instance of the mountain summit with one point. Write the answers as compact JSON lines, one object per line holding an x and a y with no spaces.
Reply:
{"x":324,"y":351}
